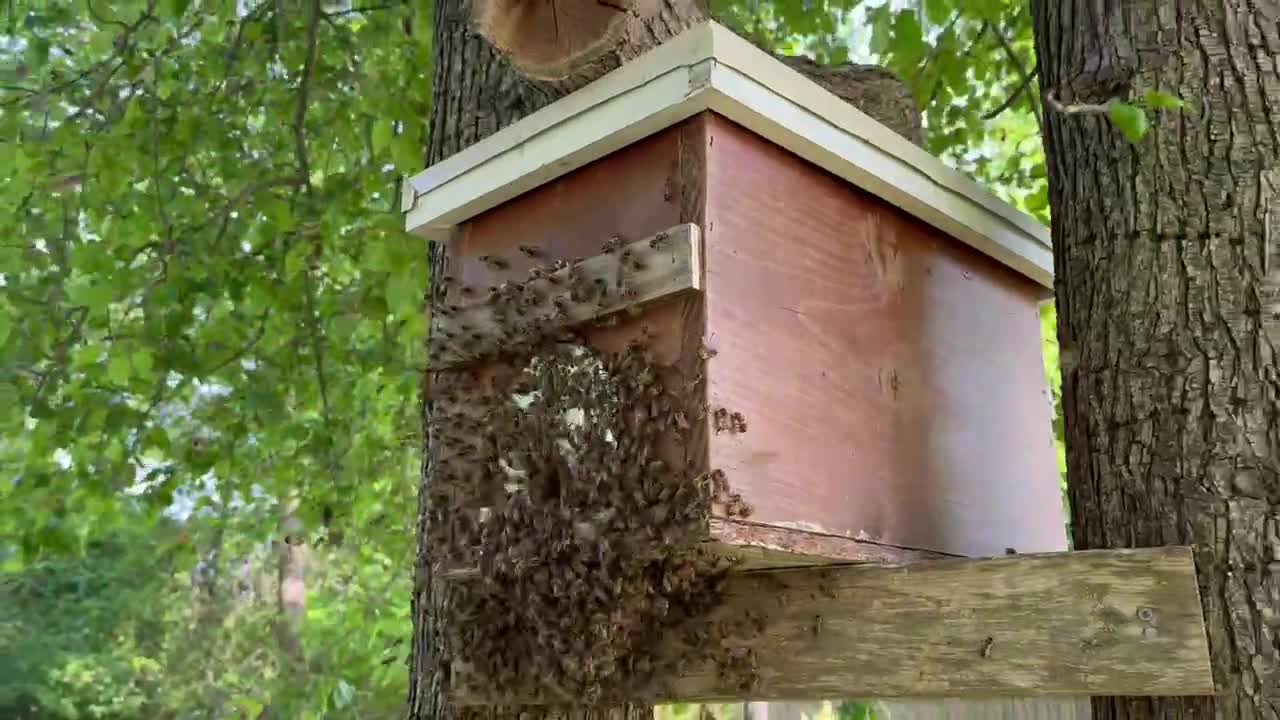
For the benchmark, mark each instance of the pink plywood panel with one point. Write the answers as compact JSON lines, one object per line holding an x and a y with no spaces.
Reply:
{"x":891,"y":377}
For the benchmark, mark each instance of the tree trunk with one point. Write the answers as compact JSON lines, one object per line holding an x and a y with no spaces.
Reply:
{"x":1168,"y":310}
{"x":476,"y":92}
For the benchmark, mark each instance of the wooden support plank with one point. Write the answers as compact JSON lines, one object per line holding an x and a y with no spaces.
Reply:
{"x":1100,"y":622}
{"x":629,"y":277}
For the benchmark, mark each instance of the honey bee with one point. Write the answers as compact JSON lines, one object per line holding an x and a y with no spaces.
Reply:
{"x":720,"y":419}
{"x":494,"y":262}
{"x":706,"y":353}
{"x":611,"y":245}
{"x":467,"y":291}
{"x":658,"y":241}
{"x":530,"y":252}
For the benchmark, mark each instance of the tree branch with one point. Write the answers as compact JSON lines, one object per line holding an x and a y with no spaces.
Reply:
{"x":304,"y":88}
{"x":1021,"y":69}
{"x":1015,"y":95}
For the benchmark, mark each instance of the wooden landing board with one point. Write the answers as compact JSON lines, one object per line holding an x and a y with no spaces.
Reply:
{"x":630,"y":276}
{"x":1100,"y":622}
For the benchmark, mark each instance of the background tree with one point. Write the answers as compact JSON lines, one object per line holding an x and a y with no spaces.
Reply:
{"x":1167,"y":287}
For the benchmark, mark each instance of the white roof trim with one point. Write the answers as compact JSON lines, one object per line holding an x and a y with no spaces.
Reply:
{"x":710,"y":68}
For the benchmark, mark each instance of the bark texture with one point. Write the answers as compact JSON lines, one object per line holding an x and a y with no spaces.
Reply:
{"x":477,"y":92}
{"x":1169,"y":313}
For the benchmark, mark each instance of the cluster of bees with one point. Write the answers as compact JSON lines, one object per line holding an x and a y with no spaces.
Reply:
{"x":564,"y":481}
{"x":513,"y":318}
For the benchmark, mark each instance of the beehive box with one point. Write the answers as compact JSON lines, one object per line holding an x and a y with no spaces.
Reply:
{"x":846,"y":332}
{"x":872,"y":313}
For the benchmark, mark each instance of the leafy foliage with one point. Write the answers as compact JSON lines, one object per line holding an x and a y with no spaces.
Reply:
{"x":207,"y":305}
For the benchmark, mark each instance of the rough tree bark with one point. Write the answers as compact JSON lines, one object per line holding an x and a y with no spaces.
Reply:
{"x":477,"y":91}
{"x":1168,"y":290}
{"x":497,"y":61}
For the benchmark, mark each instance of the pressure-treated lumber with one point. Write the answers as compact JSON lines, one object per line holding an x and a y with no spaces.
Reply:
{"x":1102,"y":622}
{"x":627,"y":277}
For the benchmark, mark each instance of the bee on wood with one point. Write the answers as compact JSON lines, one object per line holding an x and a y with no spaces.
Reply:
{"x":706,"y":353}
{"x":720,"y":420}
{"x":494,"y":262}
{"x":737,"y":423}
{"x":611,"y":245}
{"x":530,"y":252}
{"x":658,"y":241}
{"x":984,"y":649}
{"x":816,"y":627}
{"x":824,"y":584}
{"x":467,"y":291}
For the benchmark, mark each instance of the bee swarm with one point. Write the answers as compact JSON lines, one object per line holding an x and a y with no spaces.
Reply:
{"x":558,"y":481}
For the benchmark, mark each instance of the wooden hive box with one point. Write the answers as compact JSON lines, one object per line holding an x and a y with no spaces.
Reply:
{"x":872,"y":313}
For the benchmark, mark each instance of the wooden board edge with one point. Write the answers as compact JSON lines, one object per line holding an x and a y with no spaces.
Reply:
{"x":760,"y":546}
{"x":1157,"y":648}
{"x":628,"y":277}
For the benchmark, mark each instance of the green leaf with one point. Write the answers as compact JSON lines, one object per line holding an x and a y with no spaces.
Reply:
{"x":1161,"y":100}
{"x":383,"y":134}
{"x":1130,"y":120}
{"x":119,"y":370}
{"x":296,"y":261}
{"x":343,"y":694}
{"x":176,"y":8}
{"x":6,"y":323}
{"x":88,"y":293}
{"x":938,"y":12}
{"x":142,"y":363}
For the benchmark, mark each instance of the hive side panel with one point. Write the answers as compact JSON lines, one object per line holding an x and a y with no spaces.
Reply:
{"x":890,"y":378}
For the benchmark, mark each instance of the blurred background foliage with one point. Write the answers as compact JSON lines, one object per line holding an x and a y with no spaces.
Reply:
{"x":211,"y":328}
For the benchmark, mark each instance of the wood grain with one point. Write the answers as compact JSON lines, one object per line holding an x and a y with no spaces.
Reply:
{"x":891,"y":378}
{"x":936,"y":709}
{"x":756,"y":546}
{"x":1102,"y":622}
{"x":626,"y":278}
